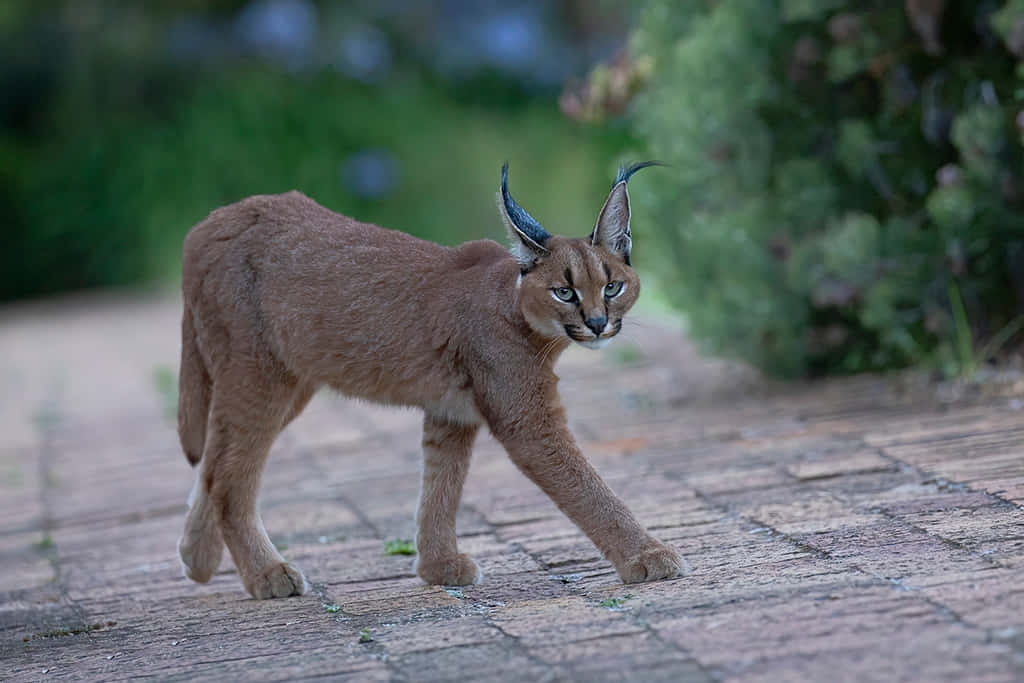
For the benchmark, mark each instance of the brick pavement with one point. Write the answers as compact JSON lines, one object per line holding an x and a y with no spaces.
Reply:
{"x":862,"y":529}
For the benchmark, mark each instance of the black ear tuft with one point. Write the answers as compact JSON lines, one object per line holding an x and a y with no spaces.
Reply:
{"x":528,"y":236}
{"x":626,"y":172}
{"x":522,"y":221}
{"x":612,"y":229}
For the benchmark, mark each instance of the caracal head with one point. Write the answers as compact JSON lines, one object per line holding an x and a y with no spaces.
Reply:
{"x":576,"y":288}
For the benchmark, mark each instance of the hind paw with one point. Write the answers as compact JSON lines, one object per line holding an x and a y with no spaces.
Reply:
{"x":200,"y":556}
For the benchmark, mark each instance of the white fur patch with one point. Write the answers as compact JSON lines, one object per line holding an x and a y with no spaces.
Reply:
{"x":595,"y":343}
{"x":194,"y":493}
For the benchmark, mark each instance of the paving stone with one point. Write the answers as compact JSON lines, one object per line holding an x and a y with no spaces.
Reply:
{"x":536,"y":622}
{"x":499,"y":661}
{"x":992,"y":599}
{"x":425,"y":634}
{"x":817,"y":630}
{"x":823,"y":467}
{"x":630,"y":657}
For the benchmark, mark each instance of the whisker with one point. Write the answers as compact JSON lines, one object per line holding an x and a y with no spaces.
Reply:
{"x":546,"y":350}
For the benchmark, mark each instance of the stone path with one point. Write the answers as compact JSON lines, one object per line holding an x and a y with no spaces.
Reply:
{"x":862,"y":529}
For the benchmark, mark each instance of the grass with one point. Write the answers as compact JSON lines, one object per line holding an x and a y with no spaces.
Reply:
{"x":968,"y":357}
{"x":614,"y":603}
{"x":44,"y":544}
{"x":365,"y":635}
{"x":999,"y":339}
{"x":332,"y":608}
{"x":400,"y":546}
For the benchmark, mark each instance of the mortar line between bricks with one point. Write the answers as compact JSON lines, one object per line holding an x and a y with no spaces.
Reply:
{"x":379,"y":650}
{"x":491,"y":529}
{"x":517,"y":645}
{"x":998,"y":500}
{"x":439,"y":650}
{"x":320,"y":591}
{"x":161,"y":671}
{"x":347,"y":502}
{"x":823,"y":554}
{"x":681,"y":650}
{"x":46,"y":420}
{"x":926,"y":475}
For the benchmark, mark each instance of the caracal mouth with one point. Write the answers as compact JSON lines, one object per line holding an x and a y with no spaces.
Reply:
{"x":595,"y":343}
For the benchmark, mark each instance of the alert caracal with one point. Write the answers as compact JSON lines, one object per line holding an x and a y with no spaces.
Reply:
{"x":283,"y":296}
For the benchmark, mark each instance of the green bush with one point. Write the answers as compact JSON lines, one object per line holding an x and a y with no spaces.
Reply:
{"x":848,"y":177}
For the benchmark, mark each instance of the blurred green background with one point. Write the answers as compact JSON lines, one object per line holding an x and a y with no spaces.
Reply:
{"x":847,"y":182}
{"x":125,"y":123}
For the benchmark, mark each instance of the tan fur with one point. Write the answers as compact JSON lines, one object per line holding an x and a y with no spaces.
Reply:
{"x":283,"y":296}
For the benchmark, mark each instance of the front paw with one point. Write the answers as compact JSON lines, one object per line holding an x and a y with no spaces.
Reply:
{"x":657,"y":561}
{"x":459,"y":570}
{"x":277,"y":580}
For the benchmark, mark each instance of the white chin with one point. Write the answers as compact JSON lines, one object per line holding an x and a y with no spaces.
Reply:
{"x":595,"y":343}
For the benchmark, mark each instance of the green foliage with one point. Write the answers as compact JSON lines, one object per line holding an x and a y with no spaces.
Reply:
{"x":400,"y":546}
{"x":615,"y":603}
{"x":104,"y":188}
{"x":44,"y":544}
{"x":840,"y":170}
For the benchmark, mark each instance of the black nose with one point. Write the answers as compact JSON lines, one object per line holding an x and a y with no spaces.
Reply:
{"x":596,"y":325}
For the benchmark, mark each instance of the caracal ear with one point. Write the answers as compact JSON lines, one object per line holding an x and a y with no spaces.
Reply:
{"x":526,"y":234}
{"x":612,"y":229}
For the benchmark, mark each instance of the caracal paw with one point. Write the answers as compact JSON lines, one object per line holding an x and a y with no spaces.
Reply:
{"x":200,"y":555}
{"x":278,"y":580}
{"x":655,"y":562}
{"x":459,"y":570}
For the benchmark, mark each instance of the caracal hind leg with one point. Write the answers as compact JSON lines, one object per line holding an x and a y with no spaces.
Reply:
{"x":245,"y":418}
{"x":446,"y":451}
{"x":201,"y":546}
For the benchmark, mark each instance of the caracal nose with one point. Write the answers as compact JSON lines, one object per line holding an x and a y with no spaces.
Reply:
{"x":596,"y":324}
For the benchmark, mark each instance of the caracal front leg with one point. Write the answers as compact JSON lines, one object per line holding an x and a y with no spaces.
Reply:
{"x":446,"y":451}
{"x":543,"y":448}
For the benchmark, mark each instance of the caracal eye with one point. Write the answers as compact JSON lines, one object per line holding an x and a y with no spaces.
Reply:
{"x":612,"y":289}
{"x":565,"y":294}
